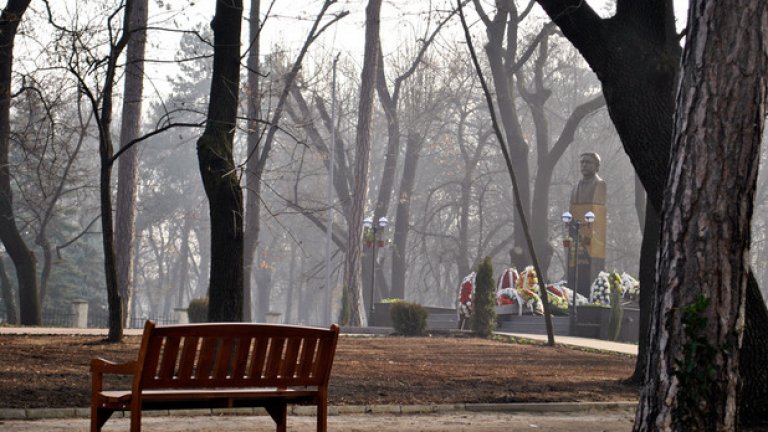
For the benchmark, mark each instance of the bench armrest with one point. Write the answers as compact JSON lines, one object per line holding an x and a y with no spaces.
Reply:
{"x":99,"y":367}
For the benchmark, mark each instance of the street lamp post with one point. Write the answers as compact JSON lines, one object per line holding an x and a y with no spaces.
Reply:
{"x":368,"y":224}
{"x":574,"y":225}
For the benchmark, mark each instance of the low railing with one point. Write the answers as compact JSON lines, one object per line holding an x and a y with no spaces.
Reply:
{"x":99,"y":318}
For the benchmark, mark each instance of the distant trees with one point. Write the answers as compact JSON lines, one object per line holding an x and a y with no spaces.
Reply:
{"x":508,"y":59}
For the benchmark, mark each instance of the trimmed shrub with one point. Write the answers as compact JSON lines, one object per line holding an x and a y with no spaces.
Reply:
{"x":408,"y":319}
{"x":198,"y":310}
{"x":483,"y":319}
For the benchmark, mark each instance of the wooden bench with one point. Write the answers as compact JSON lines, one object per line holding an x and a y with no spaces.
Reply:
{"x":223,"y":365}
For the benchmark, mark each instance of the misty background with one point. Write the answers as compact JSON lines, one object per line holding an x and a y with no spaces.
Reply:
{"x":450,"y":175}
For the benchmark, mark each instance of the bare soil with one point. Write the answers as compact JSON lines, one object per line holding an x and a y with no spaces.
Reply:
{"x":51,"y":371}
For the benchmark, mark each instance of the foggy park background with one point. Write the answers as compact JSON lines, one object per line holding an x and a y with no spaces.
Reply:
{"x":461,"y":204}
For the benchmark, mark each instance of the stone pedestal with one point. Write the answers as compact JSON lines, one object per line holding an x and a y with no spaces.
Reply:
{"x":587,"y":250}
{"x":79,"y":314}
{"x":274,"y":317}
{"x":181,"y":316}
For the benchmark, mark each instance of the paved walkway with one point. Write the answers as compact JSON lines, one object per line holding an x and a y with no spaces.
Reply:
{"x":605,"y":421}
{"x":597,"y":344}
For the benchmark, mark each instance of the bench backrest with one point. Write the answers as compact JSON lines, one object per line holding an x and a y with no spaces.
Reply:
{"x":234,"y":355}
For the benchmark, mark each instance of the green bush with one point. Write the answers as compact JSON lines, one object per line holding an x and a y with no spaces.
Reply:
{"x":198,"y":310}
{"x":483,"y":319}
{"x":408,"y":319}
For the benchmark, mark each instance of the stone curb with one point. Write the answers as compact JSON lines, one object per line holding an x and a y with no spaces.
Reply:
{"x":546,"y":407}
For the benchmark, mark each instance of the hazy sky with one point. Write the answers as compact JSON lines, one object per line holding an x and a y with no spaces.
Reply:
{"x":403,"y":21}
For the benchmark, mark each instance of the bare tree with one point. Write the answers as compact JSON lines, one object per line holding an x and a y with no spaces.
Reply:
{"x":253,"y":132}
{"x":257,"y":158}
{"x":23,"y":258}
{"x":352,"y":279}
{"x":127,"y":168}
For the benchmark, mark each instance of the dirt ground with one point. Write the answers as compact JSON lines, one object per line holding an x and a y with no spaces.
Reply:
{"x":51,"y":371}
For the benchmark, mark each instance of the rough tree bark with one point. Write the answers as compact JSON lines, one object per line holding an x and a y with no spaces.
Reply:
{"x":217,"y":167}
{"x":703,"y":264}
{"x":23,"y":258}
{"x":352,"y":280}
{"x":636,"y":56}
{"x":128,"y":164}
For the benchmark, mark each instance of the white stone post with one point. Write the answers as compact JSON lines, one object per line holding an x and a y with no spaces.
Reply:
{"x":273,"y":317}
{"x":79,"y":314}
{"x":181,"y":316}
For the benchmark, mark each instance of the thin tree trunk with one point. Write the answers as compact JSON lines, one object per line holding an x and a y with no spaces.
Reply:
{"x":703,"y":265}
{"x":413,"y":147}
{"x":183,"y":266}
{"x":9,"y":297}
{"x":217,"y":167}
{"x":106,"y":153}
{"x":352,"y":280}
{"x":640,"y":202}
{"x":252,"y":179}
{"x":127,"y":167}
{"x":292,"y":287}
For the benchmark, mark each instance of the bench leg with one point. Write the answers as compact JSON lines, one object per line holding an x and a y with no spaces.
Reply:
{"x":99,"y":416}
{"x":322,"y":411}
{"x":135,"y":416}
{"x":279,"y":413}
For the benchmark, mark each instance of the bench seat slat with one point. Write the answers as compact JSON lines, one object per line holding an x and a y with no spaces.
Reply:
{"x":123,"y":397}
{"x":274,"y":357}
{"x":188,"y":354}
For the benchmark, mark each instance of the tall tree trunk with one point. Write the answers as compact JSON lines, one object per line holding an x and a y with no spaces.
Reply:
{"x":292,"y":289}
{"x":386,"y":186}
{"x":703,"y":265}
{"x":252,"y":181}
{"x":352,"y":280}
{"x":413,"y":147}
{"x":9,"y":297}
{"x":217,"y":167}
{"x":648,"y":250}
{"x":23,"y":258}
{"x":183,"y":265}
{"x":204,"y":264}
{"x":106,"y":156}
{"x":640,"y":202}
{"x":127,"y":167}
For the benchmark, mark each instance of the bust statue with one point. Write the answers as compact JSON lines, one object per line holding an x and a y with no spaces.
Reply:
{"x":591,"y":188}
